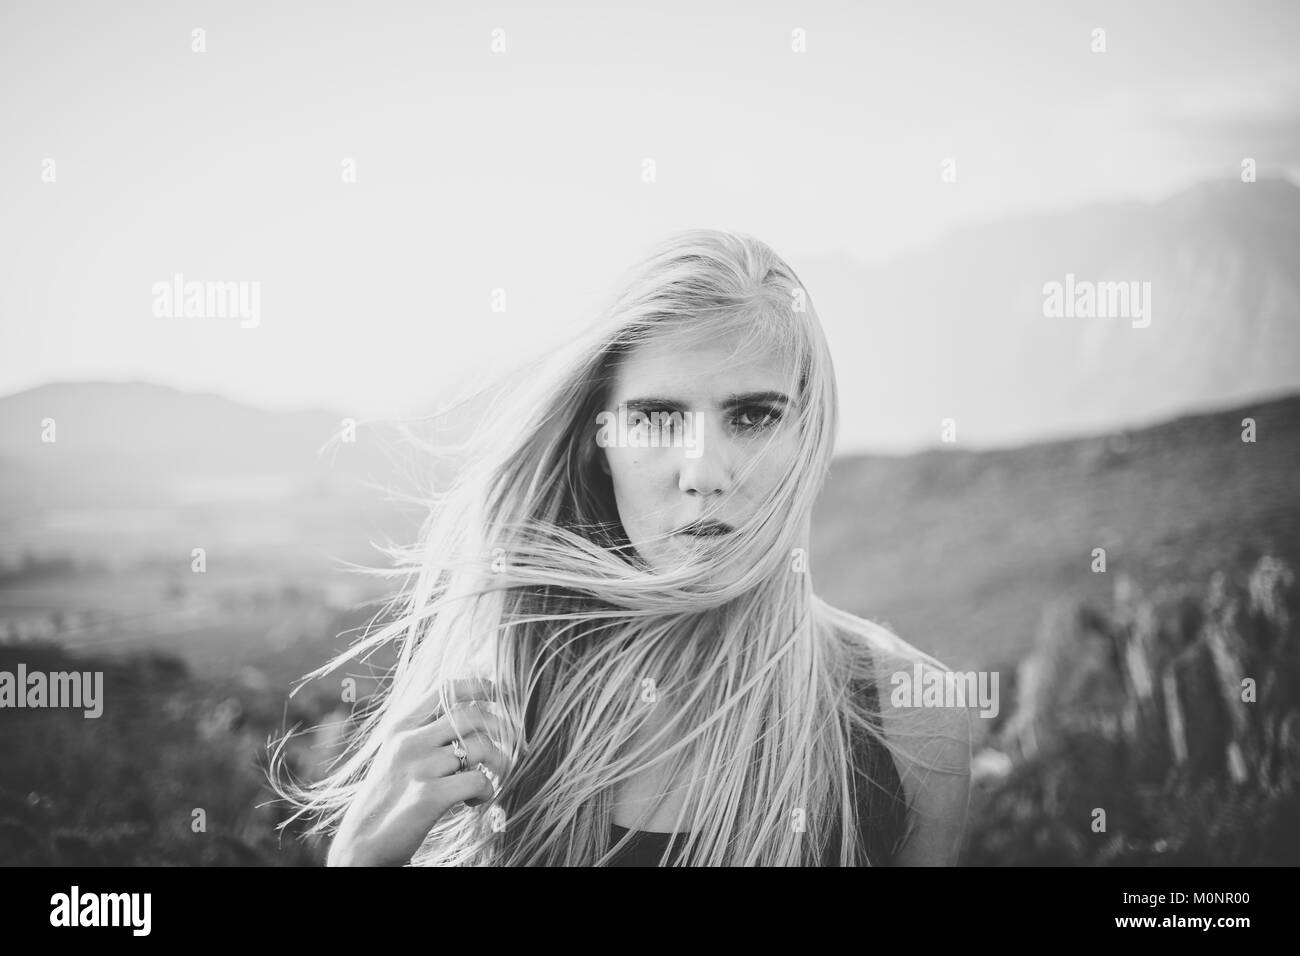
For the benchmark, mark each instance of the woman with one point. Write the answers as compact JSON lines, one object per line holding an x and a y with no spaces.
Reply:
{"x":610,"y":651}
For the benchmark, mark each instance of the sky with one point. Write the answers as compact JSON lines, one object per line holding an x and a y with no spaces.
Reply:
{"x":506,"y":146}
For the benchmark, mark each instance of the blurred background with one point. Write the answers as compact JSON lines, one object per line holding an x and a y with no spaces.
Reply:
{"x":428,"y":194}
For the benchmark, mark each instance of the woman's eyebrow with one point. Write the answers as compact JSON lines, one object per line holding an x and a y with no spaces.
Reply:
{"x":757,"y":398}
{"x":653,"y":402}
{"x":731,"y":401}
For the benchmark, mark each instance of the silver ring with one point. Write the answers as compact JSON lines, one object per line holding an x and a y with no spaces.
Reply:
{"x":461,"y":753}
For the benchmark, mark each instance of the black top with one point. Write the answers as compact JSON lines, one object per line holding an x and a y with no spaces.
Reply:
{"x":882,"y":810}
{"x":644,"y":849}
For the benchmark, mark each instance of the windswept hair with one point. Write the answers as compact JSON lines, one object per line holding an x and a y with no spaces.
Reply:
{"x":523,"y":576}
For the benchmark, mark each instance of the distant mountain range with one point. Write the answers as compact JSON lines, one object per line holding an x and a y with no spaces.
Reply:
{"x":138,"y":470}
{"x":135,"y":444}
{"x":957,"y":329}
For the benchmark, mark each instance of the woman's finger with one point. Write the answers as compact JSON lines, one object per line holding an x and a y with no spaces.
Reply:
{"x":465,"y":719}
{"x":432,"y":705}
{"x":443,"y":761}
{"x":469,"y":786}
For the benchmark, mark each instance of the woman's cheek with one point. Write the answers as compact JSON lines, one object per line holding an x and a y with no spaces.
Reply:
{"x":776,"y":459}
{"x":627,"y":479}
{"x":632,"y":487}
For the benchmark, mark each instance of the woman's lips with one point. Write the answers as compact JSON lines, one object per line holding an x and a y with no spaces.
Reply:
{"x":707,"y":529}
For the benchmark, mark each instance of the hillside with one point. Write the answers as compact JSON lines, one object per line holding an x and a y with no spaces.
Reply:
{"x":962,"y":551}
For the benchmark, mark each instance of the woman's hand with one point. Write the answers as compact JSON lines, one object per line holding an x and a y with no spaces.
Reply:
{"x":416,"y":778}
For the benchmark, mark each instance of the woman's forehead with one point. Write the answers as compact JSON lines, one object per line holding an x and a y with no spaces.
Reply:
{"x":668,"y":369}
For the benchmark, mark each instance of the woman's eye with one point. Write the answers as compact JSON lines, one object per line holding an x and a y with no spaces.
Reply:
{"x":655,"y":419}
{"x":757,"y":416}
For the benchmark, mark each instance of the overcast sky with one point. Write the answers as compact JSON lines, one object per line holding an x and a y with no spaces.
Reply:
{"x":523,"y":169}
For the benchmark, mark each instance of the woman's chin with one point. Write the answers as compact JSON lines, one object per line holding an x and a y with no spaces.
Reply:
{"x":714,"y":571}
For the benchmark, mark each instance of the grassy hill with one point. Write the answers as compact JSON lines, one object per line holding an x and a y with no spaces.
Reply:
{"x":963,"y":552}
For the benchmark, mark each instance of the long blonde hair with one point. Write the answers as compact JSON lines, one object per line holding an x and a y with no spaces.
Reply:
{"x":523,"y":576}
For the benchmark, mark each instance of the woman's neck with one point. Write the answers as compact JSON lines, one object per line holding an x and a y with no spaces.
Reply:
{"x":637,"y":796}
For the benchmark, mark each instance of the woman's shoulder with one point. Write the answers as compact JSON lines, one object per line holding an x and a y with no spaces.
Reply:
{"x":889,"y":653}
{"x":911,"y":719}
{"x":931,"y":744}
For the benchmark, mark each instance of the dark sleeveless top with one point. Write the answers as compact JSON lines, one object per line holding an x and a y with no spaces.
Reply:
{"x":882,"y":809}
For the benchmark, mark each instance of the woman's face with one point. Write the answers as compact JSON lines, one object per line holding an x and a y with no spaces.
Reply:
{"x":670,"y":472}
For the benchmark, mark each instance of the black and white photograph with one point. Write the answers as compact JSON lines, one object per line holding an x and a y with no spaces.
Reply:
{"x":703,"y":434}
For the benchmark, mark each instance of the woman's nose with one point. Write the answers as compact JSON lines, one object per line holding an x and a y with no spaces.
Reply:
{"x":709,"y":472}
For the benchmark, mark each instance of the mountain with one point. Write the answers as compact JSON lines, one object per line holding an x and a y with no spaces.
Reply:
{"x":957,"y":329}
{"x":130,"y":444}
{"x":138,"y":469}
{"x":135,"y":443}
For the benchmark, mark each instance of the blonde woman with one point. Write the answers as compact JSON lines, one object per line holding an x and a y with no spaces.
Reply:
{"x":609,"y":647}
